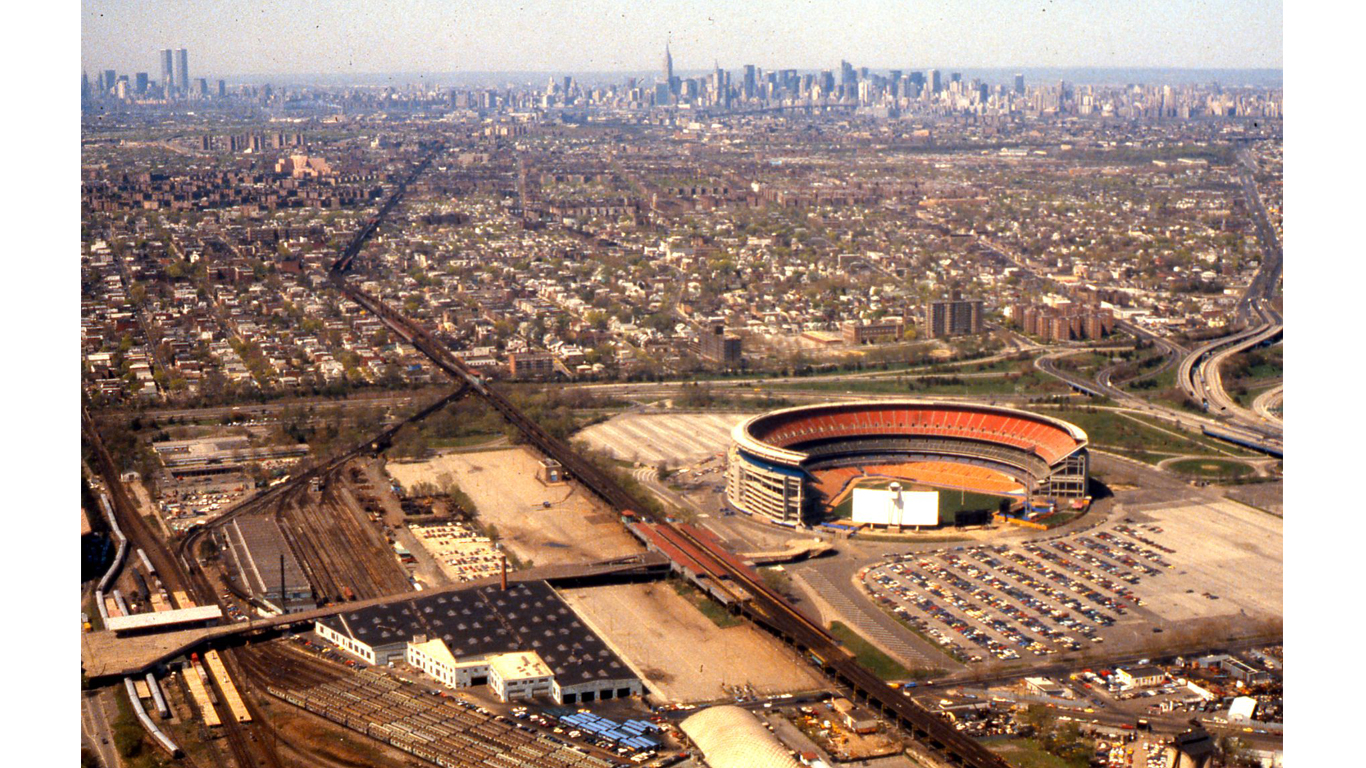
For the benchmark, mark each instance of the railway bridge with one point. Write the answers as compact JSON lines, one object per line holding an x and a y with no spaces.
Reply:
{"x":106,"y":655}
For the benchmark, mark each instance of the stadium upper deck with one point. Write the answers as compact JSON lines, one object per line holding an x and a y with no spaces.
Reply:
{"x":772,"y":454}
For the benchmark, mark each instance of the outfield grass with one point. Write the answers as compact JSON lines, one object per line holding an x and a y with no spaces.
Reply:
{"x":877,"y":662}
{"x":951,"y":501}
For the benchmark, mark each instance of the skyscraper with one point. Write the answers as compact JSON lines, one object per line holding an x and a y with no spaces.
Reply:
{"x":140,"y":83}
{"x":182,"y":70}
{"x":109,"y":80}
{"x":668,"y":65}
{"x":935,"y":85}
{"x":1019,"y":84}
{"x":166,"y":80}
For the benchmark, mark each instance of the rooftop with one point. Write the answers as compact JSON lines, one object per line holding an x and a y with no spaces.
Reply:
{"x":529,"y":616}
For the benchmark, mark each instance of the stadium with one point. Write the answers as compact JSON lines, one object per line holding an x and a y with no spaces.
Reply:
{"x":793,"y":466}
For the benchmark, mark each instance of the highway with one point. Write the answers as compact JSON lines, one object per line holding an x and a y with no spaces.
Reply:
{"x":1266,"y":401}
{"x":1200,"y":376}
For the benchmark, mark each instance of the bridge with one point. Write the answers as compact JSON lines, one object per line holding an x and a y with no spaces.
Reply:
{"x":105,"y":654}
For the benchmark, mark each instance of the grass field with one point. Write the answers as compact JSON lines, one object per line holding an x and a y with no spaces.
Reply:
{"x":709,"y":608}
{"x":877,"y":662}
{"x":1211,"y":468}
{"x":1139,"y":437}
{"x":1029,"y":753}
{"x":951,"y":502}
{"x":1029,"y":381}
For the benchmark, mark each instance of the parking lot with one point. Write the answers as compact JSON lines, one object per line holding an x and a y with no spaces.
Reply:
{"x":462,"y":553}
{"x":655,"y":438}
{"x":1142,"y":573}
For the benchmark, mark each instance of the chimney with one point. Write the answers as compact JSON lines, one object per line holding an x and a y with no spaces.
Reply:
{"x":505,"y":573}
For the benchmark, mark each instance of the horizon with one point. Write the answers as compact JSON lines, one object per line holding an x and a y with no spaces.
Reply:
{"x":293,"y":38}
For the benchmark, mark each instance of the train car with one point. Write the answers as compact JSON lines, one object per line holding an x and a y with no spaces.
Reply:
{"x":158,"y":736}
{"x":155,"y":689}
{"x":122,"y":605}
{"x":144,"y":593}
{"x":231,"y":697}
{"x":146,"y":564}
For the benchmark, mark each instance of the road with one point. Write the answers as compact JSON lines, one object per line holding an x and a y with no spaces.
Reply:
{"x":1200,"y":376}
{"x":1267,"y":401}
{"x":96,"y":731}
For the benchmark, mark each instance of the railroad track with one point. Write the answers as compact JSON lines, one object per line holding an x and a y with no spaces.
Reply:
{"x":373,"y":445}
{"x":173,"y":578}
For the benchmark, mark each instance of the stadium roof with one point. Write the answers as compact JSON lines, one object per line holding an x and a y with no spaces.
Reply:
{"x":732,"y":737}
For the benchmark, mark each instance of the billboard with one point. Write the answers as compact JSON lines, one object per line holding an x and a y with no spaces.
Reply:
{"x":894,"y":506}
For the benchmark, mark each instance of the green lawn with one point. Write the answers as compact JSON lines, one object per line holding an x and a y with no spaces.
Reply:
{"x":949,"y":383}
{"x":1210,"y":468}
{"x":1029,"y":753}
{"x":1138,"y":436}
{"x":463,"y":441}
{"x":877,"y":662}
{"x":709,"y":608}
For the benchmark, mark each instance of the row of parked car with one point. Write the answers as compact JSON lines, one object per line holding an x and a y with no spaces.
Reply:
{"x":1052,"y":596}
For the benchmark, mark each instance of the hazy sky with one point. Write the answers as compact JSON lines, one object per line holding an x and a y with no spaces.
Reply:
{"x":380,"y":36}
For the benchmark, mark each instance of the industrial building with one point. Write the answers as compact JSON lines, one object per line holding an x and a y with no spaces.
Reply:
{"x":732,"y":737}
{"x":523,"y":641}
{"x":515,"y":675}
{"x":1145,"y":676}
{"x":873,"y":333}
{"x":265,"y":565}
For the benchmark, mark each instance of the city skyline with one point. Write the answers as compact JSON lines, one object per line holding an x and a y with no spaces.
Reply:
{"x":294,"y":39}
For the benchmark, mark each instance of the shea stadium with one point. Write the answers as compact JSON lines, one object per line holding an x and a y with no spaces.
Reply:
{"x":794,"y":466}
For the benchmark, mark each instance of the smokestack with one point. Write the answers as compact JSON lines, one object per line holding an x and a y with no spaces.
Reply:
{"x":505,"y":573}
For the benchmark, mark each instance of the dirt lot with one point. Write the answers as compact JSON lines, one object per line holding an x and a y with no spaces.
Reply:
{"x":683,"y":656}
{"x":503,"y":485}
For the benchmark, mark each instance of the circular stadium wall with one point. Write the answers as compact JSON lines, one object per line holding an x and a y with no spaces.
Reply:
{"x":772,"y":456}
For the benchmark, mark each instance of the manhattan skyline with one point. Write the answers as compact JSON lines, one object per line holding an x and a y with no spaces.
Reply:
{"x":294,"y":39}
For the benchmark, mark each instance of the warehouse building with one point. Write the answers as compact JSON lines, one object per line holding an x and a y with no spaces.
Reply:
{"x":521,"y":642}
{"x":732,"y":737}
{"x":515,"y":675}
{"x":265,"y":565}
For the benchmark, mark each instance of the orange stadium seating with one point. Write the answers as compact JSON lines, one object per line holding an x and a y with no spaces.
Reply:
{"x":1046,"y":440}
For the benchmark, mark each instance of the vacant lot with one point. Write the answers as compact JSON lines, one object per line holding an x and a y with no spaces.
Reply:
{"x":682,"y":654}
{"x":654,"y":438}
{"x":503,"y":485}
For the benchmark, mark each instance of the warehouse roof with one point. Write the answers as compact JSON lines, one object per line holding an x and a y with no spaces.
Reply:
{"x":733,"y":737}
{"x":529,"y":616}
